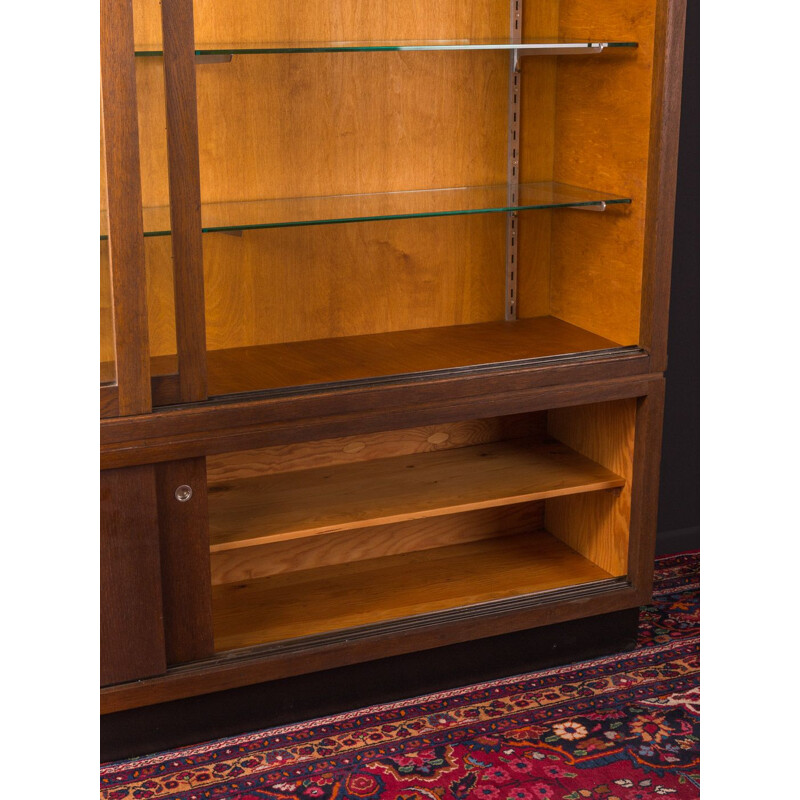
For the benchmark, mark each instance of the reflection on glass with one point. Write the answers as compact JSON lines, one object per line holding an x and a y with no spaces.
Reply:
{"x":553,"y":46}
{"x":295,"y":211}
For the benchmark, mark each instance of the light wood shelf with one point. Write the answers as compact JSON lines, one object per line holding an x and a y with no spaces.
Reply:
{"x":283,"y":506}
{"x":348,"y":595}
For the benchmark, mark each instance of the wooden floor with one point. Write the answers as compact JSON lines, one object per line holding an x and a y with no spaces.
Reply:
{"x":282,"y":506}
{"x":348,"y":595}
{"x":273,"y":366}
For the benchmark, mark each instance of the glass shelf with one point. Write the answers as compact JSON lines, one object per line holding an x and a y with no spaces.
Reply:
{"x":537,"y":47}
{"x":296,"y":211}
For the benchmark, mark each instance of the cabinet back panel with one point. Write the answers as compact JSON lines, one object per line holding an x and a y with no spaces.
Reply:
{"x":344,"y":123}
{"x":322,"y":20}
{"x":369,"y":446}
{"x":537,"y":157}
{"x":296,"y":284}
{"x":244,"y":564}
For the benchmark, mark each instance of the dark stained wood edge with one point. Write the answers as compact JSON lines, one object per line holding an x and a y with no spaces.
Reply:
{"x":210,"y":441}
{"x":662,"y":178}
{"x":166,"y":386}
{"x":109,"y":401}
{"x":242,"y":669}
{"x":184,"y":194}
{"x":214,"y":428}
{"x":131,"y":627}
{"x":644,"y":499}
{"x":166,"y":390}
{"x":185,"y":561}
{"x":124,"y":198}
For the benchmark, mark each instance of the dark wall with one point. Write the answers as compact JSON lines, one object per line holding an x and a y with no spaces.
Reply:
{"x":679,"y":506}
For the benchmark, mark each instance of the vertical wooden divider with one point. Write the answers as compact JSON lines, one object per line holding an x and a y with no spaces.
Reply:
{"x":184,"y":194}
{"x":124,"y":196}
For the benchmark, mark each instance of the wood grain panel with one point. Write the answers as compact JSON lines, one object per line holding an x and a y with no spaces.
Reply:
{"x":598,"y":526}
{"x":537,"y":155}
{"x":602,"y":134}
{"x":295,"y":284}
{"x":248,"y":563}
{"x":321,"y":20}
{"x":369,"y":446}
{"x":347,"y":595}
{"x":388,"y":121}
{"x":131,"y":620}
{"x":185,"y":567}
{"x":342,"y":123}
{"x":160,"y":297}
{"x":324,"y":500}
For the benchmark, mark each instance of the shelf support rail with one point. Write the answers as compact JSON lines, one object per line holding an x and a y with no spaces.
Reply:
{"x":514,"y":76}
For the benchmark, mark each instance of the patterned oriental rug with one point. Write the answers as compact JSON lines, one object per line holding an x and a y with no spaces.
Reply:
{"x":622,"y":727}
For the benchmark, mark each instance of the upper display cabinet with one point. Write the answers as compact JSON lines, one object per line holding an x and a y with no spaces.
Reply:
{"x":339,"y":194}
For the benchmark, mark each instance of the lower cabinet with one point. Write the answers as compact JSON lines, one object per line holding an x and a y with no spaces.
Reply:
{"x":300,"y":557}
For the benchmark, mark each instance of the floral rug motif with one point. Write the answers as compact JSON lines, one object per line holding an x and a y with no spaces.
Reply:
{"x":623,"y":727}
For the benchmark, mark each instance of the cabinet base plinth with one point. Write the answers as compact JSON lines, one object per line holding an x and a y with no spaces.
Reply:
{"x":126,"y":734}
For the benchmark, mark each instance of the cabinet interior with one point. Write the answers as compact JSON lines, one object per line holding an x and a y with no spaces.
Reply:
{"x":309,"y":304}
{"x":322,"y":536}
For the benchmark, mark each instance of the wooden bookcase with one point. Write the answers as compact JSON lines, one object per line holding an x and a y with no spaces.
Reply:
{"x":384,"y":295}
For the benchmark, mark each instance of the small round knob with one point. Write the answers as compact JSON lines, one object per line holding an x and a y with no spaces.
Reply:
{"x":183,"y":493}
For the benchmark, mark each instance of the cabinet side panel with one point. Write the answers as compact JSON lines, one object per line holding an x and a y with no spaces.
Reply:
{"x":665,"y":124}
{"x":603,"y":135}
{"x":249,"y":563}
{"x":597,"y":525}
{"x":131,"y":623}
{"x":185,"y":565}
{"x":644,"y":505}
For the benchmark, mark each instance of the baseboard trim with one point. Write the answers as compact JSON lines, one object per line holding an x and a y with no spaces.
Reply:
{"x":680,"y":540}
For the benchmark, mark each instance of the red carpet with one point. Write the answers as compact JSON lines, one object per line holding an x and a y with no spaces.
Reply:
{"x":623,"y":727}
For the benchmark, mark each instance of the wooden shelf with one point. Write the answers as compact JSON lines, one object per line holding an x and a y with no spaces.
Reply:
{"x":348,"y":595}
{"x":355,"y":358}
{"x":292,"y":505}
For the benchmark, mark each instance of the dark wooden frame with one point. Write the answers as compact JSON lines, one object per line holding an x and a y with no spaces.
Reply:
{"x":131,"y":395}
{"x":662,"y":168}
{"x":171,"y":443}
